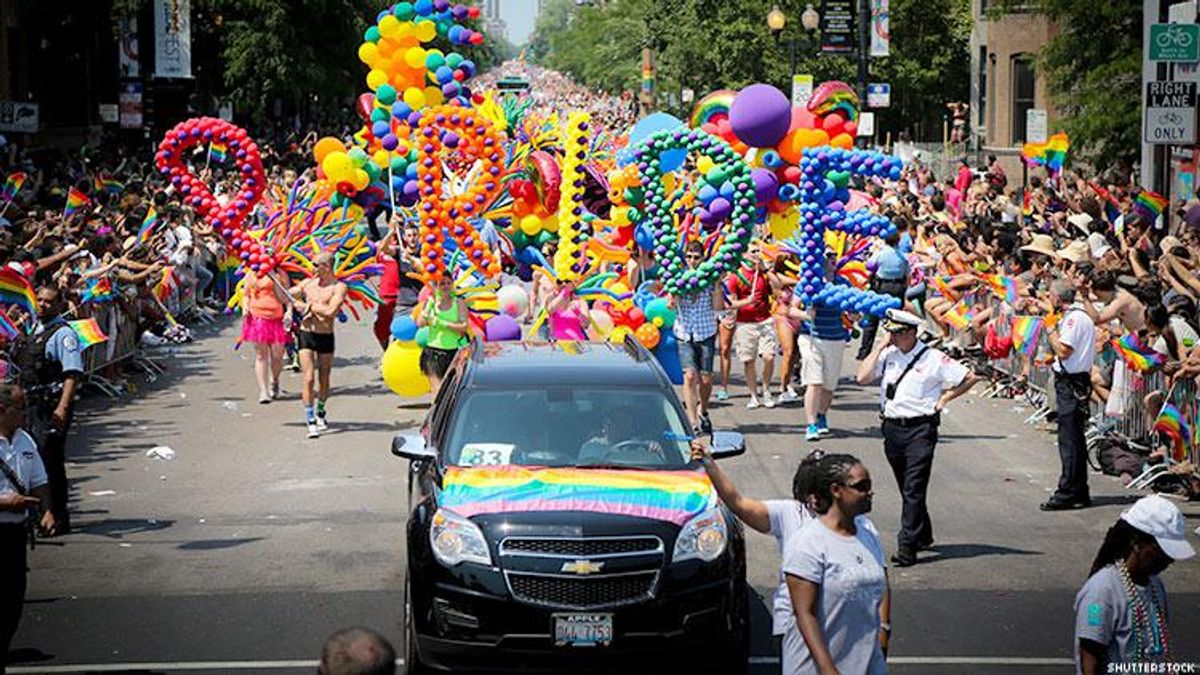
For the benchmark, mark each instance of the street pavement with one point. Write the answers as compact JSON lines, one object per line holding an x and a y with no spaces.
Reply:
{"x":253,"y":544}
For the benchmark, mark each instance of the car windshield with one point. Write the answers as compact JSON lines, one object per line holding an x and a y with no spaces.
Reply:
{"x":639,"y":428}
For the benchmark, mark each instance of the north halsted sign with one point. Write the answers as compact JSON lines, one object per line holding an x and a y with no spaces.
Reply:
{"x":1170,"y":116}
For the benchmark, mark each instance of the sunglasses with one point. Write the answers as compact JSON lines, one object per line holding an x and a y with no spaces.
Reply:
{"x":692,"y":257}
{"x":863,"y":485}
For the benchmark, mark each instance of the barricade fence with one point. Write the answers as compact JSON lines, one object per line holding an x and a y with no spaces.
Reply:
{"x":1126,"y":402}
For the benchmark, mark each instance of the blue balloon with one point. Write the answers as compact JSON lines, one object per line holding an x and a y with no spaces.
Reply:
{"x":643,"y":237}
{"x":404,"y":328}
{"x":667,"y":353}
{"x":706,"y":193}
{"x":649,"y":125}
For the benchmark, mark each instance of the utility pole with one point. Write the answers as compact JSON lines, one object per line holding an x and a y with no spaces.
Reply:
{"x":864,"y":47}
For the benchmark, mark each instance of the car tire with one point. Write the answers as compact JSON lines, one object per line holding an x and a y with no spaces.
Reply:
{"x":735,"y":658}
{"x":412,"y":660}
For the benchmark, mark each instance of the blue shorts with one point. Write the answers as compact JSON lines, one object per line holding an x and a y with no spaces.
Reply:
{"x":698,"y":355}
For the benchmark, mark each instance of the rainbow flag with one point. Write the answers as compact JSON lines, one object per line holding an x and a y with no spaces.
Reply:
{"x":959,"y":315}
{"x":110,"y":185}
{"x":1025,"y":332}
{"x":76,"y":200}
{"x":1150,"y":203}
{"x":166,"y":285}
{"x":1136,"y":355}
{"x":16,"y":290}
{"x":217,"y":152}
{"x":99,"y":289}
{"x":146,"y":230}
{"x":1051,"y":154}
{"x":671,"y":496}
{"x":1003,"y":286}
{"x":88,"y":331}
{"x":8,"y":330}
{"x":1027,"y":204}
{"x":1170,"y":422}
{"x":12,"y":185}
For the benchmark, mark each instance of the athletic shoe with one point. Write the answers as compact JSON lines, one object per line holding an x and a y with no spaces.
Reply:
{"x":722,"y":395}
{"x":753,"y":404}
{"x":275,"y":389}
{"x":823,"y":425}
{"x":705,"y":425}
{"x":767,"y":400}
{"x":264,"y":397}
{"x":812,"y":433}
{"x":322,"y":423}
{"x":313,"y":430}
{"x":788,"y":395}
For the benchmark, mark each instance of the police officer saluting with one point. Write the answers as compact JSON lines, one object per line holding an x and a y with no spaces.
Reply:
{"x":1073,"y":340}
{"x":917,"y":383}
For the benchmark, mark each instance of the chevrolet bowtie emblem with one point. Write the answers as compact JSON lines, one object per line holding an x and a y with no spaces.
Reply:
{"x":582,"y":567}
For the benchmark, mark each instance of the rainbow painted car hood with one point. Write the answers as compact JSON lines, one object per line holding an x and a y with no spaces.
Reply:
{"x":671,"y":496}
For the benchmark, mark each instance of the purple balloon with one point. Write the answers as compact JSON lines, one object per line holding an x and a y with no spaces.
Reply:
{"x":501,"y":328}
{"x":760,"y":115}
{"x":766,"y":185}
{"x":720,"y":208}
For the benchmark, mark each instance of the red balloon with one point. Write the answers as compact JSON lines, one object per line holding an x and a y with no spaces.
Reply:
{"x":833,"y":123}
{"x":635,"y":317}
{"x":473,"y":12}
{"x":850,"y":128}
{"x":791,"y":174}
{"x":366,"y":102}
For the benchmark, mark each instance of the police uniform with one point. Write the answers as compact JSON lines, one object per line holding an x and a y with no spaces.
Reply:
{"x":1072,"y":393}
{"x":910,"y":424}
{"x":22,"y":458}
{"x":54,"y":354}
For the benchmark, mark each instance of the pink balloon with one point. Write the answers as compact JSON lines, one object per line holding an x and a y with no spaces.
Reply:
{"x":802,"y":118}
{"x":833,"y":123}
{"x":850,"y":128}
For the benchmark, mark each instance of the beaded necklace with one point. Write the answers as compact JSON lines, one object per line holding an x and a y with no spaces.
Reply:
{"x":1151,"y":639}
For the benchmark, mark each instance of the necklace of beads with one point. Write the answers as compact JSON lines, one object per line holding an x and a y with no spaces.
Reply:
{"x":1151,"y":636}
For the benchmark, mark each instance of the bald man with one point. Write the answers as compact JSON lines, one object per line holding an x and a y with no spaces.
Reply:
{"x":357,"y":651}
{"x":321,"y":300}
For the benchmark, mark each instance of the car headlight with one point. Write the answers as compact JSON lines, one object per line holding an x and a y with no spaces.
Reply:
{"x":455,"y":539}
{"x":703,"y":537}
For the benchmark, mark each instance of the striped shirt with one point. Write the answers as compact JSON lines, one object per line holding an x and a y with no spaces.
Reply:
{"x":695,"y":318}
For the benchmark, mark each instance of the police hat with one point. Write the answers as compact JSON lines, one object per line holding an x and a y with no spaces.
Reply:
{"x":897,"y":320}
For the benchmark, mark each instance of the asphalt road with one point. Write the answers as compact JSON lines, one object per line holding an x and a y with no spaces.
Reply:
{"x":248,"y":548}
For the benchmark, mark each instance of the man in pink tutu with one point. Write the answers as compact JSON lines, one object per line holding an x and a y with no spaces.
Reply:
{"x":263,"y":312}
{"x":321,"y":300}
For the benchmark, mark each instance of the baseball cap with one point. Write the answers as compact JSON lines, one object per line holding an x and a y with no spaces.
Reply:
{"x":1098,"y":244}
{"x":1159,"y":518}
{"x":896,"y":320}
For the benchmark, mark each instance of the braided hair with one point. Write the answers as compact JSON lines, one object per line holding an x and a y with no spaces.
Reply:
{"x":802,"y":481}
{"x":830,"y":470}
{"x":1118,"y":544}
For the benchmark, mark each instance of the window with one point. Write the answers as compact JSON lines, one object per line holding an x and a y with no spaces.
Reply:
{"x":1022,"y":94}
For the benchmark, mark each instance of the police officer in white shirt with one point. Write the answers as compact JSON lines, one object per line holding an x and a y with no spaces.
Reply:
{"x":916,"y":383}
{"x":1073,"y":340}
{"x":23,"y":490}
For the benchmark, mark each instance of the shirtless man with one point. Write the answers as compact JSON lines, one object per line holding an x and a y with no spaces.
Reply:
{"x":321,"y":300}
{"x":1119,"y":304}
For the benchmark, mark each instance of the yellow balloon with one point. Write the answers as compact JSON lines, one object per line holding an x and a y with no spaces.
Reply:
{"x":368,"y":52}
{"x":401,"y":368}
{"x":375,"y":78}
{"x":619,"y":334}
{"x":434,"y":96}
{"x":414,"y":57}
{"x":550,"y":224}
{"x":704,"y":163}
{"x":360,"y":179}
{"x":669,"y":182}
{"x":380,"y":158}
{"x":531,"y":225}
{"x":415,"y":98}
{"x":389,"y":25}
{"x":783,"y":224}
{"x":336,"y":164}
{"x":426,"y":30}
{"x":326,"y":145}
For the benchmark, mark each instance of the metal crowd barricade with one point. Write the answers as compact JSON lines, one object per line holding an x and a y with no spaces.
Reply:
{"x":121,"y":326}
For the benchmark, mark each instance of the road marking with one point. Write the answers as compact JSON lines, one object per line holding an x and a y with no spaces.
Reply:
{"x":279,"y":665}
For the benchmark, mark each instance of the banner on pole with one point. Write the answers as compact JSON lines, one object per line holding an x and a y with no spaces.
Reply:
{"x":881,"y":32}
{"x":172,"y":39}
{"x":127,"y":49}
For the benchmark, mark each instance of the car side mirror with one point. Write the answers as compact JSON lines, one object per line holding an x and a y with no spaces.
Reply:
{"x":727,"y":444}
{"x":413,"y":448}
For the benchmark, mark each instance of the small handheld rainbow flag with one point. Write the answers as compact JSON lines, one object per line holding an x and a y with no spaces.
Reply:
{"x":1051,"y":154}
{"x":16,"y":290}
{"x":1136,"y":355}
{"x":1027,"y":204}
{"x":88,"y":331}
{"x":1150,"y":203}
{"x":1003,"y":286}
{"x":109,"y":185}
{"x":217,"y":151}
{"x":8,"y":330}
{"x":13,"y":185}
{"x":146,"y":230}
{"x":1025,"y":332}
{"x":959,"y":315}
{"x":1170,"y":422}
{"x":98,"y":290}
{"x":76,"y":200}
{"x":166,"y":285}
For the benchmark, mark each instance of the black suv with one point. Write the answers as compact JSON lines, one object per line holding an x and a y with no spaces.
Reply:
{"x":557,"y":522}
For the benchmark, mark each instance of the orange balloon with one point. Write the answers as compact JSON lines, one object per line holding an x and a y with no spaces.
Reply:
{"x":843,"y":141}
{"x":648,"y":335}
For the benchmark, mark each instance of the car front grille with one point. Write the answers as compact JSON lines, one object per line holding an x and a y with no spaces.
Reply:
{"x":582,"y":593}
{"x":581,"y":547}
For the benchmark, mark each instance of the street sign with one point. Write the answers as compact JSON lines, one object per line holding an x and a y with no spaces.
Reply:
{"x":1170,"y":117}
{"x":866,"y":124}
{"x":18,"y":116}
{"x":110,"y":113}
{"x":879,"y":95}
{"x":837,"y":26}
{"x":1178,"y":42}
{"x":802,"y":89}
{"x":1036,"y":128}
{"x":687,"y":95}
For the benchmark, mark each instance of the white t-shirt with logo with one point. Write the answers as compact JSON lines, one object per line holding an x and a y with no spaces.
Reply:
{"x":919,"y":391}
{"x":1079,"y":333}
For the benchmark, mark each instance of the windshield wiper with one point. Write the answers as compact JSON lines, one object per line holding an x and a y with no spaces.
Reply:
{"x":612,"y":466}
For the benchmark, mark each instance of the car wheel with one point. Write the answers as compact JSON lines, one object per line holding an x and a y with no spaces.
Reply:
{"x":412,"y":661}
{"x":735,"y":658}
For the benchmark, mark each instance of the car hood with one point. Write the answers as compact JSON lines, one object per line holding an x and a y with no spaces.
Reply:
{"x":670,"y":496}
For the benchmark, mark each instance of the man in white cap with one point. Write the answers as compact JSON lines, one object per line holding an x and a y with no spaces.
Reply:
{"x":916,"y":383}
{"x":1073,"y":340}
{"x":1121,"y":614}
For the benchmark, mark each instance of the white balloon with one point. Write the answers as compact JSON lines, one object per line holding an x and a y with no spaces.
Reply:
{"x":514,"y":301}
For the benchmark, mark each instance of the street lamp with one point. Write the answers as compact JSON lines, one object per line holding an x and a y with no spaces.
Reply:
{"x":810,"y":19}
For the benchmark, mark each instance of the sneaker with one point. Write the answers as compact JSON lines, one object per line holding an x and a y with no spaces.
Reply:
{"x":767,"y":400}
{"x":812,"y":433}
{"x":275,"y":389}
{"x":705,"y":425}
{"x":753,"y":404}
{"x":322,"y":423}
{"x":789,"y":395}
{"x":722,"y":395}
{"x":264,"y":397}
{"x":823,"y":425}
{"x":313,"y":430}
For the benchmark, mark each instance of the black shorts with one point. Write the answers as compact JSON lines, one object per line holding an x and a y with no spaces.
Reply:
{"x":435,"y":362}
{"x":321,"y":343}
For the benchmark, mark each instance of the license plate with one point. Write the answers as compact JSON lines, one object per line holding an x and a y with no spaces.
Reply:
{"x":582,"y":630}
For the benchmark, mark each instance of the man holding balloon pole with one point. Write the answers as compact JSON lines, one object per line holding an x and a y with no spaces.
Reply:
{"x":322,"y":297}
{"x":695,"y":331}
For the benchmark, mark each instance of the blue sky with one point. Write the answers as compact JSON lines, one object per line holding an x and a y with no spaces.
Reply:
{"x":519,"y":15}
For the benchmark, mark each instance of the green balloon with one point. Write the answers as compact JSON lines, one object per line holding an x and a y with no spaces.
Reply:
{"x":422,"y":337}
{"x":544,"y":236}
{"x":403,"y":11}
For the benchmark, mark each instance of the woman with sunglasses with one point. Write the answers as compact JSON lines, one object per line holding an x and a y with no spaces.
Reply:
{"x":837,"y":579}
{"x":1121,"y":612}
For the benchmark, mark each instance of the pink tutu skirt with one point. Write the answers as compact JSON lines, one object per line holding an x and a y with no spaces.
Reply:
{"x":263,"y":331}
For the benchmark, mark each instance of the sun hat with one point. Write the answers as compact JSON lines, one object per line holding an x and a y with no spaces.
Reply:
{"x":1099,"y":245}
{"x":1042,"y":243}
{"x":1081,"y":221}
{"x":1158,"y":517}
{"x":1076,"y":251}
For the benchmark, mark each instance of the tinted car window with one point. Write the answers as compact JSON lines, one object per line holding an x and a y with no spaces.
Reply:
{"x":561,"y":426}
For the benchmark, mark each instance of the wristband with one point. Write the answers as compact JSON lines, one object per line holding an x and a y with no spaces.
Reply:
{"x":885,"y":627}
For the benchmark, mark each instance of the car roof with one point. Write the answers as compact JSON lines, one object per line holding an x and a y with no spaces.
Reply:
{"x":516,"y":364}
